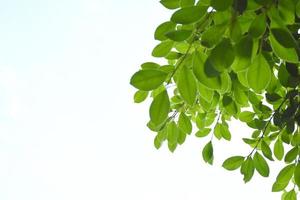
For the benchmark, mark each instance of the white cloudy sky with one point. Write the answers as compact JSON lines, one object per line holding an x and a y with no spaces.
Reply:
{"x":68,"y":125}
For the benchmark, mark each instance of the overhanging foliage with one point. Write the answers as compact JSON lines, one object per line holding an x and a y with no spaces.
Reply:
{"x":229,"y":59}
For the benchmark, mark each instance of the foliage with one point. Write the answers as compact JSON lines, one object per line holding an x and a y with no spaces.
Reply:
{"x":229,"y":59}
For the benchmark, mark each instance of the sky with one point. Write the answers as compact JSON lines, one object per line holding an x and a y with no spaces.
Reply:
{"x":68,"y":126}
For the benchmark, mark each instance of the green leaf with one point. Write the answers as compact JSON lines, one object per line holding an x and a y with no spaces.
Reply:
{"x":179,"y":35}
{"x":215,"y":83}
{"x":286,"y":173}
{"x":297,"y":175}
{"x":203,"y":132}
{"x":208,"y":153}
{"x":246,"y":116}
{"x":159,"y":108}
{"x":257,"y":68}
{"x":218,"y":131}
{"x":291,"y":155}
{"x":233,"y":163}
{"x":298,"y":9}
{"x":291,"y":195}
{"x":150,"y":65}
{"x":278,"y":149}
{"x":266,"y":150}
{"x":258,"y":26}
{"x":187,"y":3}
{"x":221,"y":5}
{"x":229,"y":105}
{"x":162,"y":49}
{"x":222,"y":56}
{"x":243,"y":51}
{"x":170,"y":4}
{"x":261,"y":165}
{"x":287,"y":54}
{"x":147,"y":80}
{"x":187,"y":85}
{"x":205,"y":93}
{"x":162,"y":29}
{"x":184,"y":123}
{"x":213,"y":35}
{"x":247,"y":169}
{"x":283,"y":37}
{"x":225,"y":133}
{"x":140,"y":96}
{"x":286,"y":11}
{"x":188,"y":15}
{"x":181,"y":137}
{"x":172,"y":133}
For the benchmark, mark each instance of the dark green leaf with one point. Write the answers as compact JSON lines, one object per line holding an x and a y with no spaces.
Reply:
{"x":283,"y":37}
{"x":221,"y":5}
{"x":258,"y":26}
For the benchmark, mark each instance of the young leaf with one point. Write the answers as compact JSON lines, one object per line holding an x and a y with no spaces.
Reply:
{"x":140,"y":96}
{"x":162,"y":29}
{"x":233,"y":163}
{"x":184,"y":123}
{"x":278,"y":149}
{"x":291,"y":155}
{"x":162,"y":49}
{"x":159,"y":108}
{"x":261,"y":165}
{"x":259,"y":74}
{"x":247,"y":169}
{"x":170,"y":4}
{"x":203,"y":132}
{"x":188,"y":15}
{"x":179,"y":35}
{"x":186,"y":85}
{"x":147,"y":80}
{"x":208,"y":153}
{"x":266,"y":150}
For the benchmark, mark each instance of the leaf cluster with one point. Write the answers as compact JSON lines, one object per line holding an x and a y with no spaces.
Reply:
{"x":229,"y":59}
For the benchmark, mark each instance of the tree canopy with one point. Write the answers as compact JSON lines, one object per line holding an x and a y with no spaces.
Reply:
{"x":229,"y":59}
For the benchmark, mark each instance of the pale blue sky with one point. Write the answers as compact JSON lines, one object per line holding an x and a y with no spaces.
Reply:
{"x":68,"y":125}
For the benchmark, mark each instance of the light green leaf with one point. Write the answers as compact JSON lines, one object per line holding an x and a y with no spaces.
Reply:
{"x":188,"y":15}
{"x":246,"y":116}
{"x":186,"y":84}
{"x":259,"y":74}
{"x":243,"y":51}
{"x":159,"y":108}
{"x":222,"y":55}
{"x":170,"y":4}
{"x":208,"y":153}
{"x":291,"y":195}
{"x":213,"y":35}
{"x":297,"y":175}
{"x":283,"y":178}
{"x":218,"y":131}
{"x":172,"y":133}
{"x":278,"y":149}
{"x":247,"y":169}
{"x":205,"y":92}
{"x":261,"y":165}
{"x":266,"y":150}
{"x":187,"y":3}
{"x":184,"y":123}
{"x":203,"y":132}
{"x":287,"y":54}
{"x":150,"y":65}
{"x":291,"y":155}
{"x":162,"y":49}
{"x":233,"y":163}
{"x":147,"y":80}
{"x":162,"y":29}
{"x":140,"y":96}
{"x":179,"y":35}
